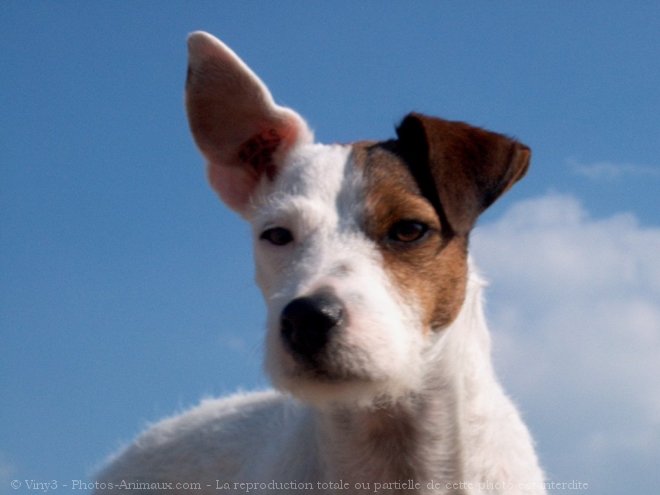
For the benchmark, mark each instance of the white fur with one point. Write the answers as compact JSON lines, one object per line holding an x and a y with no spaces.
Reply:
{"x":441,"y":386}
{"x":330,"y":250}
{"x":412,"y":404}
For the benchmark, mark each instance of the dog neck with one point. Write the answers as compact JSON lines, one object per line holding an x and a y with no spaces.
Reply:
{"x":421,"y":437}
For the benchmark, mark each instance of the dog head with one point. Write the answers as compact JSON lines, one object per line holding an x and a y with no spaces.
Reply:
{"x":360,"y":249}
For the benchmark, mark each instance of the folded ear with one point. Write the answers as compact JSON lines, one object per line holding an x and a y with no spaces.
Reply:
{"x":462,"y":169}
{"x":238,"y":127}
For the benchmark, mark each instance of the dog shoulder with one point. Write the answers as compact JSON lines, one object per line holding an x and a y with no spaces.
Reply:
{"x":213,"y":441}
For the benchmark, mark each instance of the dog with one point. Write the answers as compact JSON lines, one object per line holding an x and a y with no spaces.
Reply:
{"x":376,"y":339}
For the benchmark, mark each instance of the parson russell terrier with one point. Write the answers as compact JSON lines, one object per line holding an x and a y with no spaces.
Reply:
{"x":375,"y":331}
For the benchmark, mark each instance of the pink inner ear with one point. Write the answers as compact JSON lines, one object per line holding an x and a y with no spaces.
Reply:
{"x":235,"y":176}
{"x":233,"y":184}
{"x":258,"y":152}
{"x":238,"y":127}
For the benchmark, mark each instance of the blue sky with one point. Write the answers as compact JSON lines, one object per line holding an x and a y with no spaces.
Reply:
{"x":127,"y":290}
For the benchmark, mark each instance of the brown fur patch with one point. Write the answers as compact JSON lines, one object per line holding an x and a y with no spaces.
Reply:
{"x":432,"y":271}
{"x":463,"y":169}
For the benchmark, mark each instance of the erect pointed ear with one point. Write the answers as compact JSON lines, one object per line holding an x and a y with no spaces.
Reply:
{"x":238,"y":127}
{"x":468,"y":168}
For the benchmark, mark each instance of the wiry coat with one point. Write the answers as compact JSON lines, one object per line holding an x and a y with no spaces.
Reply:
{"x":376,"y":334}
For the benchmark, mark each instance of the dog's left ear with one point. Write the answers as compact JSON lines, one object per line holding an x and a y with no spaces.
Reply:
{"x":238,"y":127}
{"x":462,"y":168}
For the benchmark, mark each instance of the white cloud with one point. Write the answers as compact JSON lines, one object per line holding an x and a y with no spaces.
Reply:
{"x":609,"y":171}
{"x":574,"y":306}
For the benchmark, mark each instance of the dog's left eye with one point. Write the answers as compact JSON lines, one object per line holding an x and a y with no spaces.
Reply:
{"x":278,"y":236}
{"x":407,"y":231}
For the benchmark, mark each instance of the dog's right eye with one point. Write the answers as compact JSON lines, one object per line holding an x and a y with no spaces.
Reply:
{"x":277,"y":236}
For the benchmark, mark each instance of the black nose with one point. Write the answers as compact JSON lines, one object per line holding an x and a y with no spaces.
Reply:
{"x":307,"y":323}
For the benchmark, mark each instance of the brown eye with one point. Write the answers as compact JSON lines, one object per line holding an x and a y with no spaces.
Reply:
{"x":278,"y":236}
{"x":406,"y":231}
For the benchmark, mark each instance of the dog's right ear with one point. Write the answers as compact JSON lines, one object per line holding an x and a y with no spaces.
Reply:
{"x":236,"y":124}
